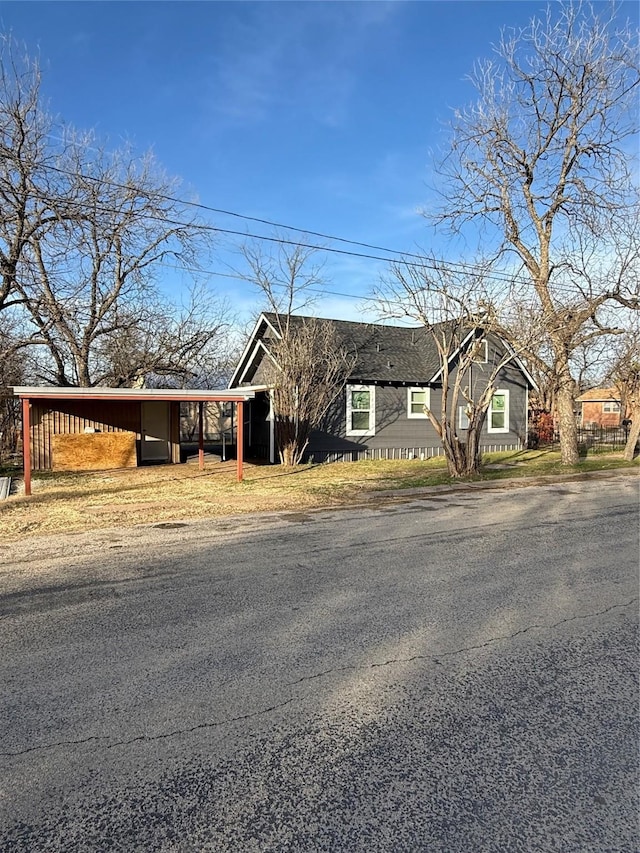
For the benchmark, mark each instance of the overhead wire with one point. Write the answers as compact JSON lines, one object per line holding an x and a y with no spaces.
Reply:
{"x":422,"y":262}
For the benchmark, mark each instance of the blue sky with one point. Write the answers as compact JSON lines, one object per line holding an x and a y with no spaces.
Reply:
{"x":319,"y":115}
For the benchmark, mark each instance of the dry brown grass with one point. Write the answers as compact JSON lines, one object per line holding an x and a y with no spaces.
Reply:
{"x":83,"y":501}
{"x":90,"y":500}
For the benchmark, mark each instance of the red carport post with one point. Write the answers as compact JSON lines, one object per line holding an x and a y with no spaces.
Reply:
{"x":26,"y":445}
{"x":240,"y":437}
{"x":200,"y":436}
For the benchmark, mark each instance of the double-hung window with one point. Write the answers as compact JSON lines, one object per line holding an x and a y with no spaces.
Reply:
{"x":498,"y":414}
{"x":361,"y":410}
{"x":417,"y":399}
{"x":611,"y":406}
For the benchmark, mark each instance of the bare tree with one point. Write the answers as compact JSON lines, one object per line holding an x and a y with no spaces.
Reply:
{"x":625,"y":374}
{"x":14,"y":370}
{"x":23,"y":142}
{"x":90,"y":284}
{"x":288,"y":277}
{"x":458,"y":312}
{"x":310,"y":365}
{"x":159,"y":342}
{"x":83,"y":233}
{"x":30,"y":187}
{"x":310,"y":370}
{"x":543,"y":161}
{"x":589,"y":361}
{"x":523,"y":321}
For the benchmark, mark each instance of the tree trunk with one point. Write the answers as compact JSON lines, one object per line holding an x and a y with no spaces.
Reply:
{"x":287,"y":455}
{"x":456,"y":462}
{"x":291,"y":440}
{"x":566,"y":417}
{"x":473,"y":449}
{"x":634,"y":434}
{"x":463,"y":459}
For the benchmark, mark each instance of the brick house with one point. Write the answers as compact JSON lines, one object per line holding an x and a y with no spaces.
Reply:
{"x":600,"y":407}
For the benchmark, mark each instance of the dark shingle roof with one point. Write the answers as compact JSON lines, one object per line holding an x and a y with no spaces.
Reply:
{"x":384,"y":353}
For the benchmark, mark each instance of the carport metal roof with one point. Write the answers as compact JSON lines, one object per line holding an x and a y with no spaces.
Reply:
{"x":239,"y":396}
{"x":182,"y":395}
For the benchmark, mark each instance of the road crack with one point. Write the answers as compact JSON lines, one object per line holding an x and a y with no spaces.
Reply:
{"x":436,"y":659}
{"x":464,"y":649}
{"x":148,"y":738}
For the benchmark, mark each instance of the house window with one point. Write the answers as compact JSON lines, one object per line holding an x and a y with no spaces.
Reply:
{"x":463,"y":418}
{"x":361,"y":413}
{"x":611,"y":407}
{"x":480,"y":352}
{"x":417,"y":399}
{"x":499,"y":412}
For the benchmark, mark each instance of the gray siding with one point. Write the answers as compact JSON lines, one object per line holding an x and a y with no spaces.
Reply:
{"x":393,"y":429}
{"x":263,"y":374}
{"x":398,"y":436}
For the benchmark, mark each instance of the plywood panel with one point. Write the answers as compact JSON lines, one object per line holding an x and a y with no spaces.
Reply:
{"x":74,"y":416}
{"x":93,"y":451}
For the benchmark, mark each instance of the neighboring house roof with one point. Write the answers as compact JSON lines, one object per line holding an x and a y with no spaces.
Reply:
{"x":384,"y":353}
{"x":597,"y":395}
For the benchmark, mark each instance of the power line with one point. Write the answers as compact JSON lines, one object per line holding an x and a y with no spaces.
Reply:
{"x":436,"y":263}
{"x":239,"y":277}
{"x":424,"y":263}
{"x":261,"y":221}
{"x":321,"y":291}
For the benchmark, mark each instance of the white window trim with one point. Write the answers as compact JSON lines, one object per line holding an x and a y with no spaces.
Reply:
{"x":505,"y":428}
{"x":372,"y":411}
{"x":462,"y":414}
{"x":611,"y":407}
{"x":427,"y":397}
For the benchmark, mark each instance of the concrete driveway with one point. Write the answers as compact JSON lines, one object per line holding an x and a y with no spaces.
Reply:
{"x":456,"y":672}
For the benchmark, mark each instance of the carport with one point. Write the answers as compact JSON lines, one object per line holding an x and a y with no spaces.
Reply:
{"x":137,"y":425}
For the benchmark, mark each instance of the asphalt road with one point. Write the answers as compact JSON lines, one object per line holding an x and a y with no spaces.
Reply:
{"x":454,"y":672}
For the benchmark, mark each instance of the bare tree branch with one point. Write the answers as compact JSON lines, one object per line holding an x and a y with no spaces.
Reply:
{"x":82,"y":234}
{"x":310,"y":367}
{"x":459,"y":312}
{"x":544,"y":161}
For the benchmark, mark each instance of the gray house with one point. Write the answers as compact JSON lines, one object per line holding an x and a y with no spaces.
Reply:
{"x":380,"y":413}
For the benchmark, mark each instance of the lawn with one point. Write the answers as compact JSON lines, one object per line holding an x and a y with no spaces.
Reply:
{"x":84,"y":501}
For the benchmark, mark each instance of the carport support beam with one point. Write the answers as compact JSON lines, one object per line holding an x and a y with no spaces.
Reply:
{"x":26,"y":444}
{"x":240,"y":437}
{"x":200,"y":436}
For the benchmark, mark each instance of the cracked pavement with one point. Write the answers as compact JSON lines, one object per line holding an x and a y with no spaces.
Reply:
{"x":456,"y":672}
